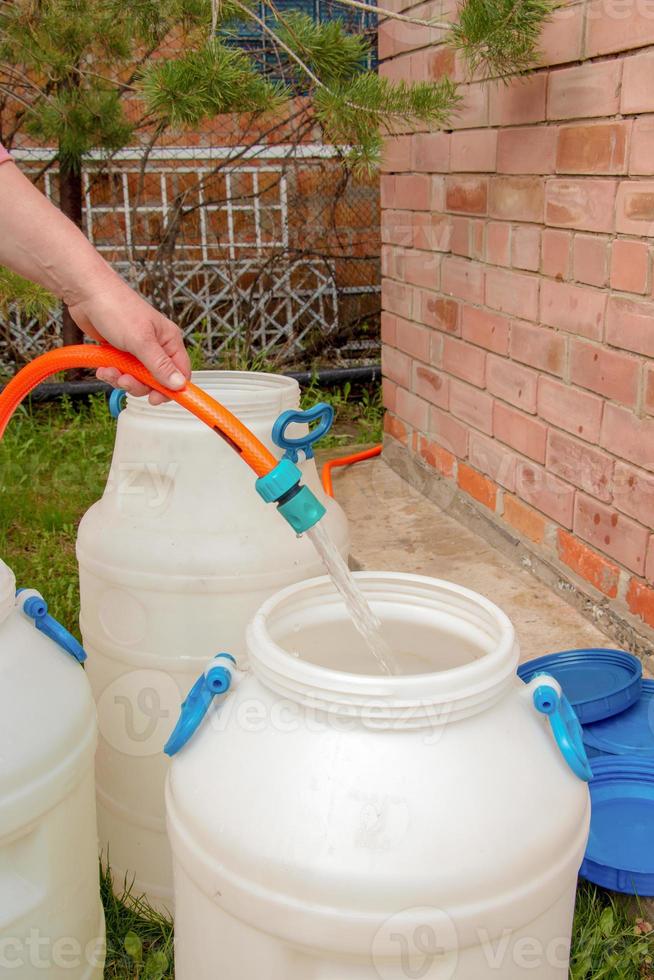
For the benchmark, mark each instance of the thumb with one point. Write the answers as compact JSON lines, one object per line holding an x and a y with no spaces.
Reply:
{"x":159,"y":364}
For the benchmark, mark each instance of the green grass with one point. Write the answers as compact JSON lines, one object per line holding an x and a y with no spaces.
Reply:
{"x":54,"y":462}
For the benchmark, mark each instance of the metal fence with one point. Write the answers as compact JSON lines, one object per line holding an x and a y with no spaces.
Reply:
{"x":264,"y":251}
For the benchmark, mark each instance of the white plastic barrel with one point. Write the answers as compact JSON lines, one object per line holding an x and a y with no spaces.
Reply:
{"x":330,"y":824}
{"x":174,"y":560}
{"x":51,"y":919}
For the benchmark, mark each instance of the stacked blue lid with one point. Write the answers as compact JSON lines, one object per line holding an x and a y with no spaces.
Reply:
{"x":616,"y":709}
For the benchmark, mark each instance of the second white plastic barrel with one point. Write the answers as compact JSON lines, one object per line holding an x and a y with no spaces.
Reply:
{"x":174,"y":560}
{"x":331,"y":824}
{"x":51,"y":919}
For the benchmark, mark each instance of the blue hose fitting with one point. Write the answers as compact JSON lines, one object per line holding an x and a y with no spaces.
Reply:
{"x":297,"y":504}
{"x":216,"y":680}
{"x":35,"y":607}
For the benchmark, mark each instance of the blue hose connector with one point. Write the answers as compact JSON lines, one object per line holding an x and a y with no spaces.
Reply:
{"x":297,"y":504}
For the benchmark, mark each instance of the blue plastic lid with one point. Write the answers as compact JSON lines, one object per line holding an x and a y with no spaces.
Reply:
{"x":597,"y":683}
{"x":629,"y":733}
{"x":620,"y":855}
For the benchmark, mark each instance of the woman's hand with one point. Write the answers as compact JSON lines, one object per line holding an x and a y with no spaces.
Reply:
{"x":116,"y":313}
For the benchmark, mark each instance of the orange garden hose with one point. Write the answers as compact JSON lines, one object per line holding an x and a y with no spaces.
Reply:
{"x":345,"y":461}
{"x":209,"y":411}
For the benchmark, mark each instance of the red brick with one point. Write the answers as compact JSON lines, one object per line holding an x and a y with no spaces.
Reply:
{"x":638,"y":84}
{"x":493,"y":459}
{"x":613,"y":533}
{"x":474,"y":151}
{"x":396,"y":155}
{"x":434,"y":455}
{"x":512,"y":292}
{"x":598,"y":148}
{"x":388,"y":329}
{"x":540,"y":347}
{"x":411,"y":408}
{"x":633,"y":493}
{"x":628,"y":436}
{"x":512,"y":383}
{"x":523,"y":433}
{"x":396,"y":366}
{"x":397,"y":298}
{"x":397,"y":227}
{"x":439,"y":312}
{"x":422,"y":268}
{"x":642,"y":145}
{"x":545,"y":492}
{"x":389,"y":389}
{"x":467,"y":195}
{"x":519,"y":102}
{"x":587,"y":468}
{"x":526,"y":521}
{"x":568,"y":408}
{"x":640,"y":599}
{"x":430,"y":153}
{"x":649,"y":560}
{"x":634,"y":207}
{"x":596,"y":569}
{"x":461,"y":230}
{"x":477,"y":486}
{"x":463,"y":279}
{"x":431,"y":231}
{"x":609,"y":373}
{"x":556,"y":253}
{"x":588,"y":205}
{"x":411,"y":192}
{"x":412,"y":338}
{"x":396,"y":428}
{"x":649,"y":390}
{"x":464,"y":361}
{"x":629,"y":325}
{"x":449,"y":433}
{"x":431,"y":385}
{"x":528,"y":150}
{"x":590,"y":260}
{"x":577,"y":309}
{"x":439,"y":62}
{"x":472,"y":406}
{"x":477,"y":238}
{"x":473,"y":111}
{"x":517,"y":198}
{"x":561,"y":38}
{"x":581,"y":92}
{"x":618,"y":25}
{"x":488,"y":330}
{"x":525,"y":248}
{"x":498,"y":243}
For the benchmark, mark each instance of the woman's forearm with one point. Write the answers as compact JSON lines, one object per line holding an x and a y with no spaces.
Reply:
{"x":38,"y":242}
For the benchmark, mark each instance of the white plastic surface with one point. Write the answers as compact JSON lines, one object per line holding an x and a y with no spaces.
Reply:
{"x":335,"y":825}
{"x":174,"y":560}
{"x":51,"y":919}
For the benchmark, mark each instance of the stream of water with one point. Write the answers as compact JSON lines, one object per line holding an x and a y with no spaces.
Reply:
{"x":367,"y":623}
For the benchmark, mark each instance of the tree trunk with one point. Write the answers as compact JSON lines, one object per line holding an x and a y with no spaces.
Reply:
{"x":70,"y":201}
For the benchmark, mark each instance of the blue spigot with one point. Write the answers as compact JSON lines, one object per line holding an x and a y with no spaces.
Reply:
{"x":565,"y":727}
{"x":216,"y":680}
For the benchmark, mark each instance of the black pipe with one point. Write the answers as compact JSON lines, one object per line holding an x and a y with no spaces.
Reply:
{"x":329,"y":378}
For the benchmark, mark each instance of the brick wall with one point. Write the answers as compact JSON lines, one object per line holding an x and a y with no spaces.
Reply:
{"x":518,"y":320}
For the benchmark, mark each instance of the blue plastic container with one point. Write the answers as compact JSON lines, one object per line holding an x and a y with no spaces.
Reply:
{"x":620,"y":855}
{"x":597,"y":683}
{"x":630,"y":733}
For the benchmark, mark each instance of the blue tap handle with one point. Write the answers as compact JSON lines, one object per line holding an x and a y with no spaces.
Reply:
{"x":36,"y":608}
{"x":565,"y":728}
{"x":321,"y":413}
{"x":216,"y":680}
{"x":117,"y":400}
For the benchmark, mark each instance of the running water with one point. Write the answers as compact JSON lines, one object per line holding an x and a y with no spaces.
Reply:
{"x":368,"y":625}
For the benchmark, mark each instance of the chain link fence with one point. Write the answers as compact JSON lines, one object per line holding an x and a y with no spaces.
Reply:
{"x":259,"y":252}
